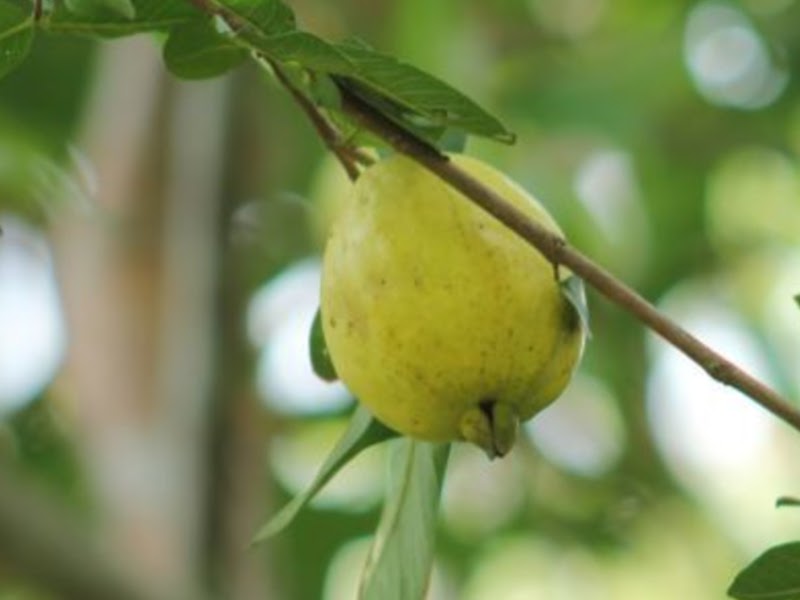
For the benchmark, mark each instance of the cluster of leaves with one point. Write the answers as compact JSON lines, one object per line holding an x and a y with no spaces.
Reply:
{"x":206,"y":38}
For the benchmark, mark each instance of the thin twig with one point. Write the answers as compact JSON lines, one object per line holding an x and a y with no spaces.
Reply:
{"x":349,"y":156}
{"x":325,"y":129}
{"x":558,"y":251}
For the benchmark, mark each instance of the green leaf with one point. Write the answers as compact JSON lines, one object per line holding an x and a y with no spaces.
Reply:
{"x":787,"y":501}
{"x":16,"y":35}
{"x":196,"y":50}
{"x":302,"y":48}
{"x":267,"y":17}
{"x":417,"y":97}
{"x":362,"y":432}
{"x":414,"y":99}
{"x":149,"y":15}
{"x":573,"y":290}
{"x":797,"y":299}
{"x":775,"y":575}
{"x":399,"y":564}
{"x":102,"y":8}
{"x":320,"y":357}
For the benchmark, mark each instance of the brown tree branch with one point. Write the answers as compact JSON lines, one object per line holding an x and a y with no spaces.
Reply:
{"x":559,"y":252}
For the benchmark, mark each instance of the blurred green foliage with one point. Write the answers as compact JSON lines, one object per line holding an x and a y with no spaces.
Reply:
{"x":601,"y":97}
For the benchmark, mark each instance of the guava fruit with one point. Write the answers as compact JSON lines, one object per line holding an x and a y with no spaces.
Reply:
{"x":440,"y":320}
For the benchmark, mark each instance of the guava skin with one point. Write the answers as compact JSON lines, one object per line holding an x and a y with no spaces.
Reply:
{"x":439,"y":319}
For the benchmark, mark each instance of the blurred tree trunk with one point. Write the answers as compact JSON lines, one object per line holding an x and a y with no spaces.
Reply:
{"x":139,"y":269}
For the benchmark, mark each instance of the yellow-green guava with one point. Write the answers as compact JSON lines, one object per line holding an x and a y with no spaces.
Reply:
{"x":438,"y":318}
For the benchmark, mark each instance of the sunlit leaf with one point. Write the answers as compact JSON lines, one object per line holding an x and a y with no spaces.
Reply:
{"x":150,"y":15}
{"x":362,"y":432}
{"x":318,"y":349}
{"x":196,"y":50}
{"x":401,"y":557}
{"x":573,"y":289}
{"x":102,"y":8}
{"x":16,"y":35}
{"x":775,"y":575}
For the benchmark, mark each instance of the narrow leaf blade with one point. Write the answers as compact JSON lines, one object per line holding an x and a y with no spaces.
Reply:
{"x":399,"y":563}
{"x":362,"y":432}
{"x":196,"y":50}
{"x":16,"y":35}
{"x":775,"y":575}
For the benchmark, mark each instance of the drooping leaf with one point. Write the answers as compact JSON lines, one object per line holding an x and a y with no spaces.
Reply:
{"x":149,"y":15}
{"x":573,"y":289}
{"x":362,"y":432}
{"x":16,"y":35}
{"x":417,"y":94}
{"x":399,"y":564}
{"x":787,"y":501}
{"x":775,"y":575}
{"x":102,"y":8}
{"x":318,"y":349}
{"x":196,"y":50}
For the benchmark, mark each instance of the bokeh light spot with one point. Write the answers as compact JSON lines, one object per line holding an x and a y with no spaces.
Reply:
{"x":582,"y":431}
{"x":278,"y":321}
{"x":728,"y":60}
{"x":33,"y":342}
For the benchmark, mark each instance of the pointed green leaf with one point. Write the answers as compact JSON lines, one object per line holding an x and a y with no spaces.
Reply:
{"x":573,"y":289}
{"x":196,"y":50}
{"x":399,"y":564}
{"x":787,"y":501}
{"x":102,"y":8}
{"x":362,"y":432}
{"x":16,"y":35}
{"x":149,"y":15}
{"x":417,"y":95}
{"x":320,"y":357}
{"x":775,"y":575}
